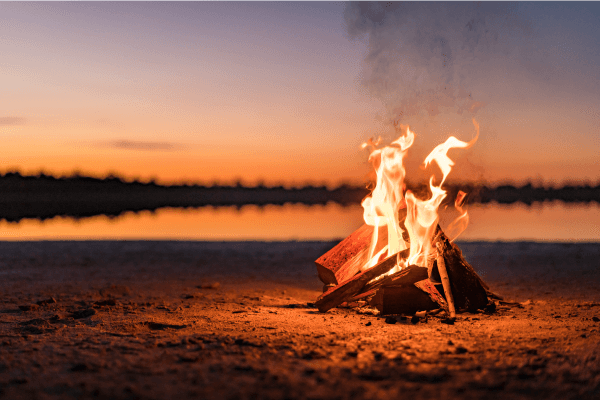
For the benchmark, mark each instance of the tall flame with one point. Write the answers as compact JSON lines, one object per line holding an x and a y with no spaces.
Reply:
{"x":382,"y":207}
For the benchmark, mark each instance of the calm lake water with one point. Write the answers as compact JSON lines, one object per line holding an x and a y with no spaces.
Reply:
{"x":541,"y":222}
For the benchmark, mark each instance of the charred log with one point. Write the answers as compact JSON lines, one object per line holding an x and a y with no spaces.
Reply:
{"x":345,"y":291}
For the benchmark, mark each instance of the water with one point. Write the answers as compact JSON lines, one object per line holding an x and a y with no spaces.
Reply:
{"x":542,"y":222}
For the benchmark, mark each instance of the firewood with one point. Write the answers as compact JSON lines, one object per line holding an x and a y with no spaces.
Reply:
{"x":400,"y":295}
{"x":328,"y":286}
{"x":429,"y":288}
{"x":469,"y":292}
{"x":441,"y":265}
{"x":410,"y":274}
{"x":404,"y":299}
{"x":345,"y":260}
{"x":353,"y":286}
{"x":359,"y":299}
{"x":364,"y":295}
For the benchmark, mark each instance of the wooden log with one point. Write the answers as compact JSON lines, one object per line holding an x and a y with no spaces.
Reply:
{"x":408,"y":274}
{"x":396,"y":294}
{"x":407,"y":292}
{"x":359,"y":299}
{"x":350,"y":288}
{"x":364,"y":295}
{"x":469,"y":291}
{"x":346,"y":259}
{"x":404,"y":299}
{"x":399,"y":295}
{"x":428,"y":287}
{"x":441,"y":264}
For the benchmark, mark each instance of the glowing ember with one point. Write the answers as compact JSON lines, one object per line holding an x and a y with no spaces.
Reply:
{"x":383,"y":207}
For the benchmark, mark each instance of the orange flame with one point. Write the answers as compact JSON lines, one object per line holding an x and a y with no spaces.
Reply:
{"x":382,"y":207}
{"x":458,"y":226}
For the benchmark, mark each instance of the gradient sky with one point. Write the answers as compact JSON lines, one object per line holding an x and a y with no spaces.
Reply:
{"x":287,"y":92}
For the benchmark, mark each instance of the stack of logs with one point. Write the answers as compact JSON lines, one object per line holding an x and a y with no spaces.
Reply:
{"x":448,"y":282}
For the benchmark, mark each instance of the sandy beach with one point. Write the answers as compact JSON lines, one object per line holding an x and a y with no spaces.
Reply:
{"x":235,"y":320}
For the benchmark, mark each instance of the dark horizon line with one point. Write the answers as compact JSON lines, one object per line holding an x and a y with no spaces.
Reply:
{"x":45,"y":196}
{"x":113,"y":177}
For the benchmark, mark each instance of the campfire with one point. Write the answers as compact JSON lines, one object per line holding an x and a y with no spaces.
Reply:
{"x":401,"y":261}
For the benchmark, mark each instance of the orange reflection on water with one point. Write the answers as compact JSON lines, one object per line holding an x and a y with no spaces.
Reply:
{"x":547,"y":222}
{"x":289,"y":222}
{"x":551,"y":221}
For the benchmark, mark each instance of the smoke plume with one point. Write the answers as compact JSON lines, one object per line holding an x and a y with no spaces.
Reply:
{"x":422,"y":56}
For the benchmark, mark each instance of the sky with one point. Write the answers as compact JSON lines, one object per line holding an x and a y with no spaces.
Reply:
{"x":287,"y":92}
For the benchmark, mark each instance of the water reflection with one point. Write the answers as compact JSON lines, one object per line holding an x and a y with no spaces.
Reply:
{"x":549,"y":221}
{"x":541,"y":222}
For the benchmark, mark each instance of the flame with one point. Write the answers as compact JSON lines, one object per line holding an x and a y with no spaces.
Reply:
{"x":458,"y":226}
{"x":382,"y":207}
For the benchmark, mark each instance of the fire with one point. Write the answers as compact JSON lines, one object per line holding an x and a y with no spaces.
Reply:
{"x":383,"y":207}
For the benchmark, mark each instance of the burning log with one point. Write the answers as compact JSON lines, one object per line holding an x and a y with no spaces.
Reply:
{"x":345,"y":291}
{"x":407,"y":292}
{"x":441,"y":264}
{"x":347,"y":258}
{"x":412,"y":289}
{"x":463,"y":288}
{"x":468,"y":290}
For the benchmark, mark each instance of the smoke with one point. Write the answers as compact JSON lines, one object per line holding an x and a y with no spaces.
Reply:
{"x":422,"y":56}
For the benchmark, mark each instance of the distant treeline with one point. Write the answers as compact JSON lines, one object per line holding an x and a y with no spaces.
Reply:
{"x":45,"y":196}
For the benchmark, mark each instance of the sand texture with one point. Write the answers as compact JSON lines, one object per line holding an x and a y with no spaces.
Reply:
{"x":179,"y":320}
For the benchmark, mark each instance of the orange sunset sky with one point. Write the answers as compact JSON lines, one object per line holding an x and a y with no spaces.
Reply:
{"x":287,"y":92}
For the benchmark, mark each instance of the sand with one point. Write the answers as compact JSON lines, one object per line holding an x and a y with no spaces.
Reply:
{"x":158,"y":320}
